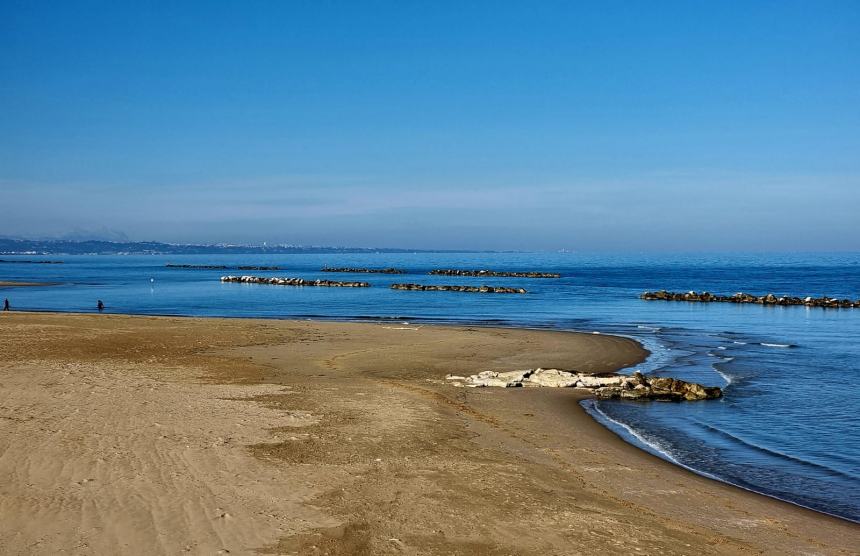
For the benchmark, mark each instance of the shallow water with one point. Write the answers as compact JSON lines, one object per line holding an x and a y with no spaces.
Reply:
{"x":786,"y":427}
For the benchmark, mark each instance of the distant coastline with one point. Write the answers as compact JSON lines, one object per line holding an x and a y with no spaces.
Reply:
{"x":95,"y":247}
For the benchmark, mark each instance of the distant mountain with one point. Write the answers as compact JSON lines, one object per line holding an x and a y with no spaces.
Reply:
{"x":101,"y":234}
{"x":98,"y":247}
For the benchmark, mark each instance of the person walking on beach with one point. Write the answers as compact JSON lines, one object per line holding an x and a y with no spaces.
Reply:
{"x":6,"y":304}
{"x":101,"y":306}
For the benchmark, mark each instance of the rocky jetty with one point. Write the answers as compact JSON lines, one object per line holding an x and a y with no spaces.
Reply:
{"x":471,"y":289}
{"x":493,"y":273}
{"x":221,"y":267}
{"x":365,"y":270}
{"x":293,"y":282}
{"x":198,"y":266}
{"x":769,"y":299}
{"x":634,"y":387}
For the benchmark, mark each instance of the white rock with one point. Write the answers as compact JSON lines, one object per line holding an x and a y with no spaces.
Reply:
{"x":599,"y":381}
{"x":497,"y":382}
{"x":552,"y":378}
{"x":502,"y":380}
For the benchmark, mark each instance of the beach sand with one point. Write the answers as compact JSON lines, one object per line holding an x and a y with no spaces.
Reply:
{"x":8,"y":284}
{"x":139,"y":435}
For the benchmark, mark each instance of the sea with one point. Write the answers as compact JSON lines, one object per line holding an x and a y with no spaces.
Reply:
{"x":788,"y":425}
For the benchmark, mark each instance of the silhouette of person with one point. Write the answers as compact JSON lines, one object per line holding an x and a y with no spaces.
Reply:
{"x":6,"y":304}
{"x":101,"y":306}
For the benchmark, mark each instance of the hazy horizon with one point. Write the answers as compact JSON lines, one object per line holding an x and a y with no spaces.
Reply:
{"x":497,"y":126}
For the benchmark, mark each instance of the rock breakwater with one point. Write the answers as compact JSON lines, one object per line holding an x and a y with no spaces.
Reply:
{"x":769,"y":299}
{"x":634,"y":387}
{"x":198,"y":266}
{"x":470,"y":289}
{"x":220,"y":267}
{"x":293,"y":282}
{"x":493,"y":273}
{"x":365,"y":270}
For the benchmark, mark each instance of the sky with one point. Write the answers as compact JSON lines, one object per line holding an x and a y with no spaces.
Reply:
{"x":634,"y":125}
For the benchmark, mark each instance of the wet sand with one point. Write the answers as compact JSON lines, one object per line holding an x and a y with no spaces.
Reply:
{"x":145,"y":435}
{"x":8,"y":284}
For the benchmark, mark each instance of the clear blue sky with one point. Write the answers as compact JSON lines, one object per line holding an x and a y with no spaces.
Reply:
{"x":531,"y":125}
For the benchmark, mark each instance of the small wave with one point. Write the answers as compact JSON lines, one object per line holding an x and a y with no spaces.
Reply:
{"x":649,"y":445}
{"x":721,"y":347}
{"x":722,"y":358}
{"x":775,"y":453}
{"x":766,"y":344}
{"x":591,"y":407}
{"x":724,"y":376}
{"x":738,"y":342}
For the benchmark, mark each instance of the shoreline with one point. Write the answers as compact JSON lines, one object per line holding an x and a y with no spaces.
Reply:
{"x":13,"y":284}
{"x":573,"y":437}
{"x":705,"y":475}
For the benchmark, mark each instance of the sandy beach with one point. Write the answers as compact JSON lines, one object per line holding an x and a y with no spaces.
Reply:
{"x":9,"y":284}
{"x":151,"y":435}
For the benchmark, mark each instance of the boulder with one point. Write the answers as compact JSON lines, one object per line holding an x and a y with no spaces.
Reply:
{"x":507,"y":379}
{"x":587,"y":381}
{"x":552,"y":378}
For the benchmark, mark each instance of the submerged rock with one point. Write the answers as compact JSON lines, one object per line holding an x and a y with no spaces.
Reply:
{"x":634,"y":387}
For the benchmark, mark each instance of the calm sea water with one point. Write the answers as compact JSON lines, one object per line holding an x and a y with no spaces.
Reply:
{"x":787,"y":426}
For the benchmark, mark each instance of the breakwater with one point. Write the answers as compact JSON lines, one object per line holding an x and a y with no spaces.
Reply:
{"x":198,"y":266}
{"x":769,"y":299}
{"x":364,"y":270}
{"x":470,"y":289}
{"x":493,"y":273}
{"x":293,"y":282}
{"x":220,"y":267}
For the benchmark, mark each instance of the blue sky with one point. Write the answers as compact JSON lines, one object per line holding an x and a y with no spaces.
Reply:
{"x":606,"y":125}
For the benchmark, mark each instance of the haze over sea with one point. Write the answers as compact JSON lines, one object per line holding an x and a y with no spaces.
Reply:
{"x":784,"y":427}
